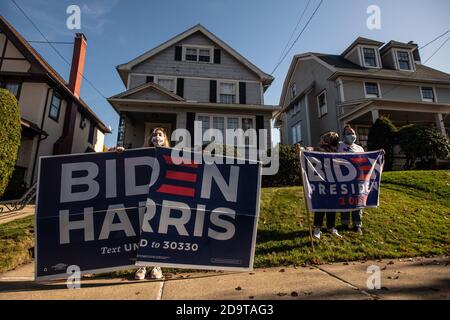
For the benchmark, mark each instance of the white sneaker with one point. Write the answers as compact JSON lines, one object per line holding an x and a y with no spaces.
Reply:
{"x":316,"y":233}
{"x":334,"y":232}
{"x":140,"y":274}
{"x":156,"y":273}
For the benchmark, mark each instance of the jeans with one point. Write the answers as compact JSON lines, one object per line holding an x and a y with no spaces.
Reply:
{"x":319,"y":216}
{"x":356,"y":217}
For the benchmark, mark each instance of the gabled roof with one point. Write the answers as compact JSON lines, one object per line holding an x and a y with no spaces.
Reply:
{"x":125,"y":67}
{"x":361,"y":40}
{"x":147,"y":86}
{"x":34,"y":57}
{"x":397,"y":44}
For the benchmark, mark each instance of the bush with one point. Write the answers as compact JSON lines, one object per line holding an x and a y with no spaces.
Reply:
{"x":382,"y":135}
{"x":289,"y":169}
{"x":10,"y":136}
{"x":422,"y":143}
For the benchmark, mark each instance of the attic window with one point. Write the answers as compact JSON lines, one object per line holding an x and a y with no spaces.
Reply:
{"x":404,"y":62}
{"x":370,"y":57}
{"x":198,"y":54}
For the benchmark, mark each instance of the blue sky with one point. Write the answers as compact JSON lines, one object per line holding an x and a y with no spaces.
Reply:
{"x":119,"y":30}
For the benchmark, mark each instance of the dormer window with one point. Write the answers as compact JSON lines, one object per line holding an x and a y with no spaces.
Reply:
{"x":404,"y":60}
{"x":370,"y":57}
{"x":198,"y":54}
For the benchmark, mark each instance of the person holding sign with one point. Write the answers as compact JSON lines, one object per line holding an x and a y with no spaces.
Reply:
{"x":158,"y":138}
{"x":349,"y":146}
{"x":329,"y":143}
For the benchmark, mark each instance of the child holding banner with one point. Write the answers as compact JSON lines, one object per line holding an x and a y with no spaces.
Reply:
{"x":329,"y":142}
{"x":349,"y":146}
{"x":158,"y":138}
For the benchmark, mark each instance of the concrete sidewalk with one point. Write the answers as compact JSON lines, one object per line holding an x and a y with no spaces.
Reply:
{"x":6,"y":217}
{"x":417,"y":278}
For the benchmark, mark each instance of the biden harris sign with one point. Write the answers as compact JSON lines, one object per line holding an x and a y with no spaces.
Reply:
{"x":340,"y":182}
{"x":101,"y":211}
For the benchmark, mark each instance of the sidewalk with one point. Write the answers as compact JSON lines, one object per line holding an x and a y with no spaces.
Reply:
{"x":417,"y":278}
{"x":6,"y":217}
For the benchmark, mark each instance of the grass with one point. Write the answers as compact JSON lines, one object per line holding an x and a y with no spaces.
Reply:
{"x":413,"y":220}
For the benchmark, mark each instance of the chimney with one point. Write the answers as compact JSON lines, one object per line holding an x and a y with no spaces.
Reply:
{"x":76,"y":71}
{"x":416,"y":53}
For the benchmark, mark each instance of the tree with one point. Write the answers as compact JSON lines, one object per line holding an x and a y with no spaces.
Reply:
{"x":382,"y":135}
{"x":10,"y":136}
{"x":422,"y":143}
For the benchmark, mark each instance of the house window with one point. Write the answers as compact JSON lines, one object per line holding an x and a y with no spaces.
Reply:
{"x":232,"y":122}
{"x":91,"y":133}
{"x":205,"y":123}
{"x":372,"y":90}
{"x":219,"y":124}
{"x":363,"y":136}
{"x":227,"y":93}
{"x":55,"y":108}
{"x":13,"y":87}
{"x":428,"y":94}
{"x":297,"y":133}
{"x":198,"y":54}
{"x":370,"y":57}
{"x":404,"y":62}
{"x":167,"y":83}
{"x":322,"y":104}
{"x":293,"y":90}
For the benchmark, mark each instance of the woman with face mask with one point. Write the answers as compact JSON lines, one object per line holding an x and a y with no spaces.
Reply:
{"x":349,"y":146}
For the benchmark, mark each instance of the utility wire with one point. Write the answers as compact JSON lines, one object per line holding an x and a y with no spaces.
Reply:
{"x":54,"y":48}
{"x":53,"y":42}
{"x":434,"y":40}
{"x":298,"y":37}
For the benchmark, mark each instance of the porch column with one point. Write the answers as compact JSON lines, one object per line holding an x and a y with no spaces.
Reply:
{"x":440,"y":123}
{"x":375,"y":115}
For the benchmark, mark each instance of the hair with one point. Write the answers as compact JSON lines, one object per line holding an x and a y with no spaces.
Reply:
{"x":330,"y":138}
{"x":148,"y":141}
{"x":347,"y":127}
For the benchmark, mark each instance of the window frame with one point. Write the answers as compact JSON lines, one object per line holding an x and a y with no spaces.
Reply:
{"x":377,"y":57}
{"x":295,"y":130}
{"x":319,"y":107}
{"x":174,"y":79}
{"x":410,"y":58}
{"x":19,"y":89}
{"x":370,"y":96}
{"x":57,"y":95}
{"x":197,"y":48}
{"x":236,"y":91}
{"x":433,"y":89}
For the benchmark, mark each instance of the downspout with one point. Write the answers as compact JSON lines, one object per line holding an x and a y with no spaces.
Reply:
{"x":40,"y":136}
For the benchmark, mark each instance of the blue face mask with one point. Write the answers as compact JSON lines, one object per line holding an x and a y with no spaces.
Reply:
{"x":350,"y":139}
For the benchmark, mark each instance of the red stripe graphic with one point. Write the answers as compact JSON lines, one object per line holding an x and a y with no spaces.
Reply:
{"x":364,"y":177}
{"x":358,"y":160}
{"x":365,"y":168}
{"x":168,"y":160}
{"x":181,"y":176}
{"x":176,"y":190}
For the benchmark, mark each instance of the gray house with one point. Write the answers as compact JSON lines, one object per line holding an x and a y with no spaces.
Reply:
{"x":194,"y":76}
{"x":369,"y":79}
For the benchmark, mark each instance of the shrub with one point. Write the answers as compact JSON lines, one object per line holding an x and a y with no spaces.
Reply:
{"x":422,"y":143}
{"x":10,"y":136}
{"x":382,"y":135}
{"x":289,"y":169}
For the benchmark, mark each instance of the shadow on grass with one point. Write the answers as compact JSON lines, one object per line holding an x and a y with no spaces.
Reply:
{"x":276,"y":235}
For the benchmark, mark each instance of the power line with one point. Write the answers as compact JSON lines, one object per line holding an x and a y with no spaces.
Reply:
{"x":295,"y":29}
{"x":434,"y":40}
{"x":53,"y":42}
{"x":298,"y":37}
{"x":54,"y":48}
{"x":434,"y":53}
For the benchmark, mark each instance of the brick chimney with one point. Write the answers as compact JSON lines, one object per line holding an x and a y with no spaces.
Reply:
{"x":78,"y":58}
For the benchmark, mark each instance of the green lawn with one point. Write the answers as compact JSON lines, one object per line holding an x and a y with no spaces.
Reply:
{"x":413,"y":220}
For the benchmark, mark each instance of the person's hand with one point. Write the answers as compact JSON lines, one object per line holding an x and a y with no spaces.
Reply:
{"x":383,"y":152}
{"x":120,"y":149}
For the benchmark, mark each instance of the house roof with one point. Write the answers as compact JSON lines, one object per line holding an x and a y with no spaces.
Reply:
{"x":361,"y":40}
{"x":30,"y":53}
{"x":397,"y":44}
{"x":145,"y":86}
{"x":124,"y":68}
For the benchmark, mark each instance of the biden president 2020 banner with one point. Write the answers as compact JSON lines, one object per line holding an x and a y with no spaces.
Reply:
{"x":91,"y":209}
{"x":340,"y":182}
{"x":201,"y":216}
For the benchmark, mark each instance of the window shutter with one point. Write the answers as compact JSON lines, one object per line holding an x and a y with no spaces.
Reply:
{"x":242,"y":93}
{"x":178,"y":53}
{"x":259,"y":125}
{"x":180,"y":87}
{"x":150,"y":79}
{"x":190,"y":118}
{"x":213,"y":91}
{"x":217,"y":56}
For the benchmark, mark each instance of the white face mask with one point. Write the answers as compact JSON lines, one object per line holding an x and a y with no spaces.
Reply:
{"x":158,"y":141}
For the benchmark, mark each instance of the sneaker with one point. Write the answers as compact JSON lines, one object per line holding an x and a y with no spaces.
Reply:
{"x":358,"y":230}
{"x":334,"y":232}
{"x":316,"y":233}
{"x":140,"y":274}
{"x":156,"y":273}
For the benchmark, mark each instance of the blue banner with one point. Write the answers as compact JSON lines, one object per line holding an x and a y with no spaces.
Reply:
{"x":201,"y":216}
{"x":88,"y":211}
{"x":340,"y":182}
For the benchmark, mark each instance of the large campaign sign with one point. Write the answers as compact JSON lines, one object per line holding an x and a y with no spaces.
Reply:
{"x":341,"y":182}
{"x":201,"y":216}
{"x":89,"y":208}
